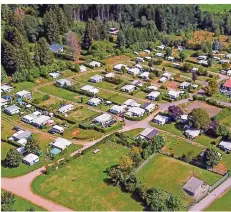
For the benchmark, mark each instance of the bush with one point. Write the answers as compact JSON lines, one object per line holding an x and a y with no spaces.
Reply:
{"x":45,"y":97}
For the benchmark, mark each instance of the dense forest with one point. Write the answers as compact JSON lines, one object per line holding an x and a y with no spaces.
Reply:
{"x":28,"y":31}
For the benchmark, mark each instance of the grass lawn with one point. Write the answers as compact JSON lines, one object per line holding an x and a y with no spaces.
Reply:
{"x":119,"y":99}
{"x":134,"y":133}
{"x":23,"y":86}
{"x":171,"y":175}
{"x":89,"y":191}
{"x":168,"y":128}
{"x":82,"y":114}
{"x":21,"y":204}
{"x":60,"y":92}
{"x":179,"y":146}
{"x":141,"y":94}
{"x":215,"y":7}
{"x":82,"y":134}
{"x":221,"y":204}
{"x":205,"y":140}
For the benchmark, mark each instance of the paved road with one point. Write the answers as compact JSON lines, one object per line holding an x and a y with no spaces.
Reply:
{"x":204,"y":203}
{"x":21,"y":186}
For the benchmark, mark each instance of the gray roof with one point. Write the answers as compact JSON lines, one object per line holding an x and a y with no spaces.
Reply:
{"x":193,"y":184}
{"x":25,"y":134}
{"x":149,"y":133}
{"x":12,"y":107}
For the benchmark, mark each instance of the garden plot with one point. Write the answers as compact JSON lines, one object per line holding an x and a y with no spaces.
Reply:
{"x":212,"y":110}
{"x":171,"y":174}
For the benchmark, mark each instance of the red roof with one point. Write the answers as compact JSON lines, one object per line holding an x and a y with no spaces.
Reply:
{"x":227,"y":84}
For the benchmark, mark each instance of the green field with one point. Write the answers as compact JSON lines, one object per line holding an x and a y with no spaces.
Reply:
{"x":171,"y":175}
{"x":168,"y":128}
{"x":89,"y":190}
{"x":21,"y":204}
{"x":215,"y":7}
{"x":221,"y":204}
{"x":178,"y":147}
{"x":82,"y":114}
{"x":59,"y":92}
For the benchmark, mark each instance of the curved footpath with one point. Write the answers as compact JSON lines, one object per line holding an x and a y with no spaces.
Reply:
{"x":204,"y":203}
{"x":21,"y":186}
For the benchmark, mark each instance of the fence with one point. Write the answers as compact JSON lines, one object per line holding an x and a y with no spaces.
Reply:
{"x":215,"y":185}
{"x":145,"y":162}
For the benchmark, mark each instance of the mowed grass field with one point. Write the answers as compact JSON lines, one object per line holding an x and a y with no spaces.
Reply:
{"x":59,"y":92}
{"x":21,"y":204}
{"x":89,"y":191}
{"x":171,"y":175}
{"x":221,"y":204}
{"x":215,"y":7}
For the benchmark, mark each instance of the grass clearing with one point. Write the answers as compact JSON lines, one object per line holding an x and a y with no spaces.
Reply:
{"x":171,"y":175}
{"x":59,"y":92}
{"x":178,"y":146}
{"x":90,"y":190}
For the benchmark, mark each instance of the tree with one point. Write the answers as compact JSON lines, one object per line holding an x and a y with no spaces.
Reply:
{"x":51,"y":27}
{"x":200,"y":118}
{"x":222,"y":130}
{"x":74,"y":44}
{"x":116,"y":175}
{"x":141,"y":191}
{"x":86,"y":40}
{"x":125,"y":163}
{"x":32,"y":147}
{"x":175,"y":111}
{"x":182,"y":56}
{"x":13,"y":36}
{"x":13,"y":158}
{"x":174,"y":203}
{"x":7,"y":201}
{"x":157,"y":143}
{"x":211,"y":157}
{"x":201,"y":71}
{"x":212,"y":87}
{"x":62,"y":21}
{"x":187,"y":67}
{"x":3,"y":74}
{"x":9,"y":56}
{"x":43,"y":55}
{"x":156,"y":199}
{"x":194,"y":76}
{"x":210,"y":62}
{"x":121,"y":40}
{"x":168,"y":52}
{"x":15,"y":20}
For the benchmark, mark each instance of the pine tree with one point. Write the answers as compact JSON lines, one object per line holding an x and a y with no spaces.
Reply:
{"x":62,"y":20}
{"x":9,"y":56}
{"x":15,"y":20}
{"x":13,"y":36}
{"x":121,"y":40}
{"x":86,"y":40}
{"x":43,"y":55}
{"x":51,"y":27}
